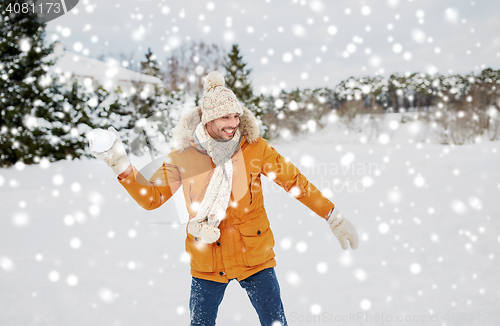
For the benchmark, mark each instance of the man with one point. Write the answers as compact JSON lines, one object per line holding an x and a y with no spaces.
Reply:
{"x":219,"y":158}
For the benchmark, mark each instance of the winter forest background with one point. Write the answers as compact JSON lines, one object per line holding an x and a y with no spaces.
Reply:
{"x":411,"y":157}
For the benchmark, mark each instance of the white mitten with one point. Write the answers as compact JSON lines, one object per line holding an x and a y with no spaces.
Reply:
{"x":115,"y":157}
{"x":343,"y":230}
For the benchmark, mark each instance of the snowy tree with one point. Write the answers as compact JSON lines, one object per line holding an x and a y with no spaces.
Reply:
{"x":34,"y":122}
{"x":238,"y":80}
{"x":150,"y":66}
{"x":238,"y":76}
{"x":189,"y":64}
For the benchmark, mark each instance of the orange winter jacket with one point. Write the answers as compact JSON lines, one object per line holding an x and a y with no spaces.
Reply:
{"x":246,"y":243}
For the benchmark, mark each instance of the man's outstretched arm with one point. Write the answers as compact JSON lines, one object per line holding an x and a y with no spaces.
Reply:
{"x":148,"y":194}
{"x":151,"y":194}
{"x":288,"y":176}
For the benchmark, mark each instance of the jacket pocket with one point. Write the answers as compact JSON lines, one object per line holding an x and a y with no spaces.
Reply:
{"x":202,"y":256}
{"x":258,"y":241}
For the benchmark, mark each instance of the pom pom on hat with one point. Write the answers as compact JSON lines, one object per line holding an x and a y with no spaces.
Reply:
{"x":213,"y":80}
{"x":218,"y":101}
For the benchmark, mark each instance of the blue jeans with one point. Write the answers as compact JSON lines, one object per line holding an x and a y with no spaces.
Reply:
{"x":263,"y":291}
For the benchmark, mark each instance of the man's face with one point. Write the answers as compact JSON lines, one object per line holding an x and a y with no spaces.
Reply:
{"x":223,"y":128}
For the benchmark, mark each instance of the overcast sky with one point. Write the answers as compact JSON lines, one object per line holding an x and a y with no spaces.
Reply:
{"x":297,"y":43}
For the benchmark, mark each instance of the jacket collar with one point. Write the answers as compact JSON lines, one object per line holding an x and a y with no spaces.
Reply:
{"x":183,"y":132}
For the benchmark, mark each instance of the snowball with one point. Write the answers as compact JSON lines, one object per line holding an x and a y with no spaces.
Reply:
{"x":2,"y":180}
{"x":132,"y":233}
{"x":165,"y":10}
{"x":180,"y":310}
{"x":101,"y":140}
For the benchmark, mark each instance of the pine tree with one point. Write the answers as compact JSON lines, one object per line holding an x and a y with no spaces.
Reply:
{"x":150,"y":66}
{"x":238,"y":80}
{"x":35,"y":118}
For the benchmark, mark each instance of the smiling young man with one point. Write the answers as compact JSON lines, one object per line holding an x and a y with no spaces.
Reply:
{"x":218,"y":159}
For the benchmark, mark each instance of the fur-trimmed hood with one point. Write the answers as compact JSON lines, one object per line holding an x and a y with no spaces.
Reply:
{"x":183,"y":132}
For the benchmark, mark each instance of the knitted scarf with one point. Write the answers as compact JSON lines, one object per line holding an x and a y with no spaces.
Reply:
{"x":216,"y":200}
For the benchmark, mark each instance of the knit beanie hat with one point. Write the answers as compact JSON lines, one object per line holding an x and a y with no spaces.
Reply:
{"x":218,"y":101}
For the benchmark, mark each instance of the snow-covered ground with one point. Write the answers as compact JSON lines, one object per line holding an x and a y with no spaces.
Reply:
{"x":76,"y":250}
